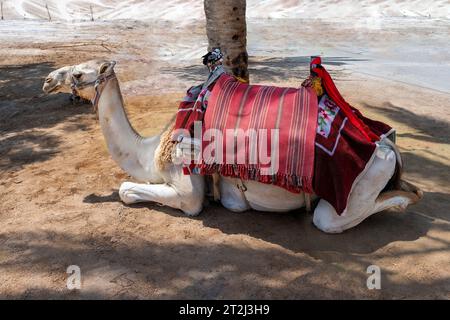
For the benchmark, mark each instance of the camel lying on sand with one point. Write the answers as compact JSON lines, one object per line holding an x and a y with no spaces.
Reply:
{"x":167,"y":184}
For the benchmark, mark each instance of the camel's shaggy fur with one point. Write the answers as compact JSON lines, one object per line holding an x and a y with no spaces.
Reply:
{"x":163,"y":155}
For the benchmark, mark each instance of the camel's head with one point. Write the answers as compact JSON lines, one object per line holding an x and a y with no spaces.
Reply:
{"x":58,"y":81}
{"x":85,"y":74}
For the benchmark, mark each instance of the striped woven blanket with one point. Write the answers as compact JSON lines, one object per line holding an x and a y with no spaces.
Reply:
{"x":261,"y":133}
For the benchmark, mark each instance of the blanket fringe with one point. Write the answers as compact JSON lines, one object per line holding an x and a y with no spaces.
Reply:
{"x":291,"y":182}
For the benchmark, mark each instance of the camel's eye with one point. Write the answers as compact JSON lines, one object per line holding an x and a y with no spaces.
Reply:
{"x":77,"y":75}
{"x":48,"y":80}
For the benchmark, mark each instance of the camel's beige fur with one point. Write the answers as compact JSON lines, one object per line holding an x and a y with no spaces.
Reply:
{"x":163,"y":155}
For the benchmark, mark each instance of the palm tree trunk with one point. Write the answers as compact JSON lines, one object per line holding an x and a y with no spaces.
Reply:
{"x":226,"y":28}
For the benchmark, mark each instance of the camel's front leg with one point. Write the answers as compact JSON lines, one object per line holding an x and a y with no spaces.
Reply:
{"x":189,"y":203}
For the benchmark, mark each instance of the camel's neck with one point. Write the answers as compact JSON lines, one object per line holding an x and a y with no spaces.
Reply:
{"x":129,"y":150}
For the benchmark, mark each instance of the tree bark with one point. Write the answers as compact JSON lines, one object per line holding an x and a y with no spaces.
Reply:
{"x":226,"y":28}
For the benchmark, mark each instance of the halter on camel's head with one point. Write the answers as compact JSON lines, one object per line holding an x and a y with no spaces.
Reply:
{"x":83,"y":80}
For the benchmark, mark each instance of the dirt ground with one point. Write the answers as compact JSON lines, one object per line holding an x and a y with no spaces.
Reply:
{"x":59,"y":204}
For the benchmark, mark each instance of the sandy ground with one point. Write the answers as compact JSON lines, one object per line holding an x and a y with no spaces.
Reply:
{"x":58,"y":186}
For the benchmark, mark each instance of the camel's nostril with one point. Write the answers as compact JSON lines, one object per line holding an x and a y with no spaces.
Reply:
{"x":48,"y":80}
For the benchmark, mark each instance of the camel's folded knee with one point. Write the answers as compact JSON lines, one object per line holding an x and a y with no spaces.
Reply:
{"x":326,"y":219}
{"x":192,"y":211}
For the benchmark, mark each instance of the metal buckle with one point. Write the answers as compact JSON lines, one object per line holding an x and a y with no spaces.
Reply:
{"x":242,"y":187}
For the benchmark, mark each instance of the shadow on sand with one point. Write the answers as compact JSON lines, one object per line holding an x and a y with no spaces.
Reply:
{"x":267,"y":70}
{"x":114,"y":268}
{"x":430,"y":129}
{"x":294,"y":231}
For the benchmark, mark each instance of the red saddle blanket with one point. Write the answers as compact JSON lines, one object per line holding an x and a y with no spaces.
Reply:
{"x":323,"y":148}
{"x":261,"y":133}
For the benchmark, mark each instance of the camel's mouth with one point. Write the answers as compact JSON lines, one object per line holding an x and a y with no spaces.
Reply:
{"x":52,"y":90}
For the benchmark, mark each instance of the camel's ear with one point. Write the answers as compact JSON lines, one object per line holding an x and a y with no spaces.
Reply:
{"x":103,"y":67}
{"x":106,"y":66}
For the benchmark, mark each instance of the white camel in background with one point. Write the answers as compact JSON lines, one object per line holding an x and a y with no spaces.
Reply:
{"x":60,"y":80}
{"x":169,"y":186}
